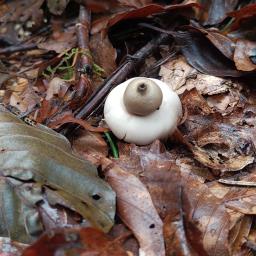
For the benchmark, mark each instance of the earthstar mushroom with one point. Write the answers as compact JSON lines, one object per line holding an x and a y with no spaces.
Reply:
{"x":141,"y":110}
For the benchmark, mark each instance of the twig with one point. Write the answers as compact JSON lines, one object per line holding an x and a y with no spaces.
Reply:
{"x":159,"y":63}
{"x":238,"y":183}
{"x":84,"y":66}
{"x":18,"y":48}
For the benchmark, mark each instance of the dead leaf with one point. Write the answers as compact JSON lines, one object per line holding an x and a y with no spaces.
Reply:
{"x":90,"y":146}
{"x":151,"y":9}
{"x":57,"y":7}
{"x":135,"y":207}
{"x":134,"y":3}
{"x":168,"y":186}
{"x":218,"y":9}
{"x":37,"y":154}
{"x":194,"y":44}
{"x":243,"y":51}
{"x":23,"y":96}
{"x":245,"y":12}
{"x":67,"y":117}
{"x":62,"y":40}
{"x":84,"y":241}
{"x":104,"y":53}
{"x":56,"y":87}
{"x":23,"y":10}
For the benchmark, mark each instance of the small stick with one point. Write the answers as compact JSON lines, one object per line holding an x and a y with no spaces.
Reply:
{"x":238,"y":183}
{"x":18,"y":48}
{"x":84,"y":65}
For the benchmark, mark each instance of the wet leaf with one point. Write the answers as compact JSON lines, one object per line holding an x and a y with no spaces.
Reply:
{"x":223,"y":43}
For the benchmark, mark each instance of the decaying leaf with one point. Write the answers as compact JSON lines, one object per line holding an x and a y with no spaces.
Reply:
{"x":29,"y":153}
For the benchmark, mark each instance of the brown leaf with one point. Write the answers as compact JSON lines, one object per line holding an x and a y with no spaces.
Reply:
{"x":61,"y":39}
{"x":56,"y":87}
{"x":100,"y":6}
{"x":223,"y":43}
{"x":21,"y":11}
{"x":136,"y":209}
{"x":222,"y":147}
{"x":211,"y":212}
{"x":131,"y":245}
{"x":107,"y":22}
{"x":194,"y":44}
{"x":23,"y":96}
{"x":67,"y":117}
{"x":135,"y":3}
{"x":218,"y":10}
{"x":84,"y":241}
{"x":168,"y":189}
{"x":245,"y":12}
{"x":90,"y":146}
{"x":243,"y":51}
{"x":221,"y":94}
{"x":104,"y":53}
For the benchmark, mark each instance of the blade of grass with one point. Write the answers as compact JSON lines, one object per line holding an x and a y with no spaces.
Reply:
{"x":113,"y":147}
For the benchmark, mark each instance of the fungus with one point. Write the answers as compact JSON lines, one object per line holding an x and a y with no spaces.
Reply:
{"x":141,"y":110}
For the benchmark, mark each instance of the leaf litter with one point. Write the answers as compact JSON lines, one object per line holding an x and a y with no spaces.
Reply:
{"x":193,"y":194}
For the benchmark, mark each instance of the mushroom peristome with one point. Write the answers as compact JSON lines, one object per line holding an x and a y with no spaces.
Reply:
{"x":142,"y":127}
